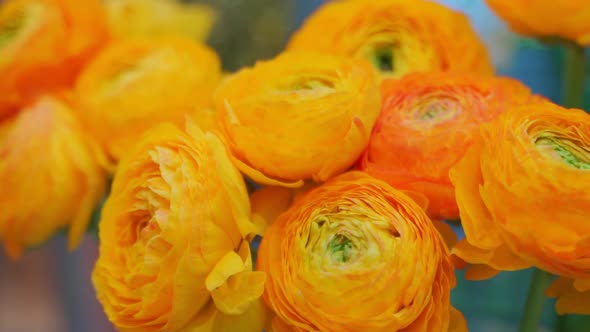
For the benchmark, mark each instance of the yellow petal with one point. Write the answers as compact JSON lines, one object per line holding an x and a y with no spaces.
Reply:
{"x":267,"y":204}
{"x":235,"y":296}
{"x":457,"y":322}
{"x":227,"y":266}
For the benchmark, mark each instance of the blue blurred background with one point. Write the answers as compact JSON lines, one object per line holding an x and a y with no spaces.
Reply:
{"x":49,"y":290}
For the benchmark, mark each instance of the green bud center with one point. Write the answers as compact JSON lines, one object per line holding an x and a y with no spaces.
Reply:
{"x":566,"y":151}
{"x":11,"y":26}
{"x":383,"y":59}
{"x":341,"y":248}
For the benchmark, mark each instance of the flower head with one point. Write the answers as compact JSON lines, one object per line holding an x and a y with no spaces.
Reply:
{"x":355,"y":254}
{"x":396,"y":36}
{"x":53,"y":174}
{"x":173,"y":250}
{"x":299,"y":116}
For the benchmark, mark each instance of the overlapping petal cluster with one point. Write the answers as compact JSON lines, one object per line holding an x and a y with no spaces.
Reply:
{"x":427,"y":123}
{"x":357,"y":255}
{"x":173,"y":249}
{"x":522,"y":190}
{"x":567,"y":19}
{"x":134,"y":84}
{"x":396,"y":36}
{"x":297,"y":117}
{"x":43,"y":46}
{"x":52,"y":175}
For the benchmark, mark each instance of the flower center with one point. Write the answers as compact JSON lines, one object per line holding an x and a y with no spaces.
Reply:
{"x":565,"y":150}
{"x":341,"y":248}
{"x":13,"y":24}
{"x":383,"y":58}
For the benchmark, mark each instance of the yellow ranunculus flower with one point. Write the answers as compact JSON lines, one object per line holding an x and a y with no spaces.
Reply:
{"x":43,"y":46}
{"x":568,"y":19}
{"x":355,"y":254}
{"x":52,"y":175}
{"x":148,"y":18}
{"x":133,"y":84}
{"x":522,"y":192}
{"x":173,"y":250}
{"x":299,"y":116}
{"x":396,"y":36}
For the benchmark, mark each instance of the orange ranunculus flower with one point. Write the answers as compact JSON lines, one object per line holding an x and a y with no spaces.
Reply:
{"x":148,"y":18}
{"x":568,"y":19}
{"x":133,"y":84}
{"x":396,"y":36}
{"x":356,"y":238}
{"x":427,"y":123}
{"x":522,"y":190}
{"x":43,"y":45}
{"x":52,"y":174}
{"x":299,"y":116}
{"x":173,"y":254}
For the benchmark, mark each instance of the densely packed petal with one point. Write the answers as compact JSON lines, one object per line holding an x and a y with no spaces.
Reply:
{"x":427,"y":123}
{"x":43,"y":46}
{"x":173,"y":250}
{"x":355,"y":254}
{"x":134,"y":84}
{"x":299,"y":116}
{"x":522,"y":190}
{"x":149,"y":18}
{"x":52,"y":175}
{"x":568,"y":19}
{"x":396,"y":36}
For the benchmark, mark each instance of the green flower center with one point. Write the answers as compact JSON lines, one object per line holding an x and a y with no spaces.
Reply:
{"x":11,"y":26}
{"x":383,"y":59}
{"x":565,"y":150}
{"x":341,"y":248}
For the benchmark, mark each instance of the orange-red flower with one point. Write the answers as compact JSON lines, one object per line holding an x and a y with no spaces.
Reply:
{"x":396,"y":36}
{"x":173,"y":251}
{"x":427,"y":123}
{"x":568,"y":19}
{"x":52,"y":175}
{"x":522,"y":190}
{"x":43,"y":45}
{"x":355,"y":254}
{"x":299,"y":116}
{"x":134,"y":84}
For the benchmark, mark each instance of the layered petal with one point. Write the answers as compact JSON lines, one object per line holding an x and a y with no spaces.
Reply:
{"x":427,"y":123}
{"x":299,"y":116}
{"x":173,"y":254}
{"x":355,"y":254}
{"x":396,"y":36}
{"x":53,"y":175}
{"x":568,"y":19}
{"x":522,"y":192}
{"x":43,"y":46}
{"x":136,"y":83}
{"x":149,"y":18}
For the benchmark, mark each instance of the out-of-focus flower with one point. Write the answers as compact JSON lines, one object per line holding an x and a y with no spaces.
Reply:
{"x":44,"y":44}
{"x":299,"y":116}
{"x":52,"y":174}
{"x":134,"y":84}
{"x":396,"y":36}
{"x":522,"y":190}
{"x":427,"y":123}
{"x":173,"y":254}
{"x":568,"y":19}
{"x":149,"y":18}
{"x":356,"y":238}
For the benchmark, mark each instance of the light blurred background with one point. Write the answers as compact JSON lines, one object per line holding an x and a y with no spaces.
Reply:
{"x":49,"y":290}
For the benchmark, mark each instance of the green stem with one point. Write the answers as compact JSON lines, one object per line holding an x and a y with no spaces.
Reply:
{"x":574,"y":75}
{"x":535,"y":301}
